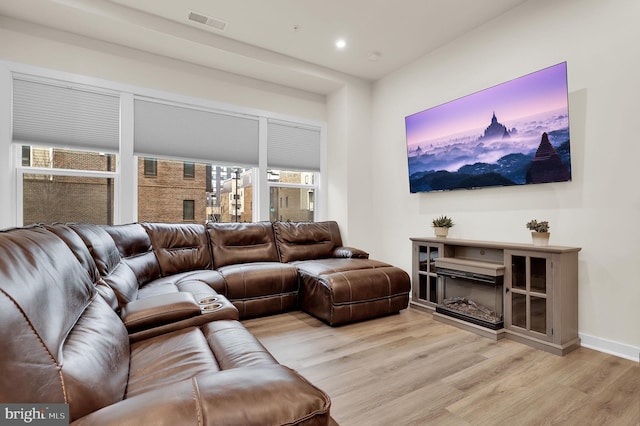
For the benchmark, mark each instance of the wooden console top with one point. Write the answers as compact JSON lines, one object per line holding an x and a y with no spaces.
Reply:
{"x":496,"y":245}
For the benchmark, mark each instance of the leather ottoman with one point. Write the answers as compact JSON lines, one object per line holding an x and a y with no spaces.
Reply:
{"x":343,"y":296}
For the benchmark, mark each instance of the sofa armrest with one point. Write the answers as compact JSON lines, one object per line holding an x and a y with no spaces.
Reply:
{"x":154,"y":311}
{"x":222,"y":309}
{"x":350,"y":252}
{"x":265,"y":395}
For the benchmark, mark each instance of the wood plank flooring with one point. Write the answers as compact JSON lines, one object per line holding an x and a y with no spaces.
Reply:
{"x":409,"y":369}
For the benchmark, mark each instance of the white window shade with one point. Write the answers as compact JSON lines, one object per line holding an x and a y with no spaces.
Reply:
{"x":293,"y":147}
{"x":50,"y":114}
{"x":182,"y":132}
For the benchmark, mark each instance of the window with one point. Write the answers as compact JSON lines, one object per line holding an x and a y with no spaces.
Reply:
{"x":218,"y":193}
{"x":292,"y":196}
{"x":80,"y":182}
{"x":26,"y":155}
{"x":150,"y":167}
{"x":188,"y":210}
{"x":189,"y":171}
{"x":59,"y":185}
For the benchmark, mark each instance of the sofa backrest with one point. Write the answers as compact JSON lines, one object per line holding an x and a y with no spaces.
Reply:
{"x":134,"y":246}
{"x":77,"y":246}
{"x":81,"y":251}
{"x":60,"y":342}
{"x":180,"y":247}
{"x":234,"y":243}
{"x":306,"y":240}
{"x":116,"y":273}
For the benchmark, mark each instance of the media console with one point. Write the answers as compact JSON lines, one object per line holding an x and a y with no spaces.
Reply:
{"x":499,"y":290}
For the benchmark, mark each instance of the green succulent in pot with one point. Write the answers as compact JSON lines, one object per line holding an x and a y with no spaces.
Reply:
{"x":442,"y":222}
{"x":539,"y":232}
{"x":534,"y":225}
{"x":441,"y":226}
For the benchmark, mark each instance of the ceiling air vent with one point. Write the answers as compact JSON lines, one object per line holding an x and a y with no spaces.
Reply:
{"x":206,"y":20}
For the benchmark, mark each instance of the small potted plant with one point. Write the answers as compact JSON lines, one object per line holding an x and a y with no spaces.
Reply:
{"x":539,"y":232}
{"x":441,"y":226}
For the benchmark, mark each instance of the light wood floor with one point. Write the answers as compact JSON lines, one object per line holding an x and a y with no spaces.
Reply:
{"x":409,"y":369}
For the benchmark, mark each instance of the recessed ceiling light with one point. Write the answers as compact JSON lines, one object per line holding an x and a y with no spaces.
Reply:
{"x":341,"y":43}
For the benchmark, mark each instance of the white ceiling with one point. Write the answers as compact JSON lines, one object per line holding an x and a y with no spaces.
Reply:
{"x":288,"y":42}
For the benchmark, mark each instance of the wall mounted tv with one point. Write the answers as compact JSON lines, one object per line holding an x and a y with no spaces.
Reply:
{"x":515,"y":133}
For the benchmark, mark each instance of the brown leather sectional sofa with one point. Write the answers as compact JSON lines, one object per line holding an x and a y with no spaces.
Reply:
{"x":138,"y":324}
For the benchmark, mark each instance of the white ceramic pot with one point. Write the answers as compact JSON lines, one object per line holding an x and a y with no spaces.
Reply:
{"x":540,"y":238}
{"x":440,"y":232}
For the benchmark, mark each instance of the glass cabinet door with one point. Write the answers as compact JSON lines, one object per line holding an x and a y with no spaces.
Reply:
{"x":427,"y":256}
{"x":528,"y":280}
{"x":425,"y":281}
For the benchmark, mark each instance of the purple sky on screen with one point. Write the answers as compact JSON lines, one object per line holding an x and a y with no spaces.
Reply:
{"x":541,"y":91}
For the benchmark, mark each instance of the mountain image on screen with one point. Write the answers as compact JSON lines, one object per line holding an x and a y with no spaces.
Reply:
{"x":452,"y":147}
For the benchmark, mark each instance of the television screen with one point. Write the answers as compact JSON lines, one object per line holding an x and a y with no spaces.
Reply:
{"x":515,"y":133}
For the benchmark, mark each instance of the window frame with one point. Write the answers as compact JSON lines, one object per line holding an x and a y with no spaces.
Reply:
{"x":153,"y":167}
{"x":30,"y":170}
{"x":192,"y":208}
{"x":315,"y":187}
{"x":192,"y":172}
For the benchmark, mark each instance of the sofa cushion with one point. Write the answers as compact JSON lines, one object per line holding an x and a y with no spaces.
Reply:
{"x":44,"y":290}
{"x":332,"y":265}
{"x":81,"y":251}
{"x":101,"y":246}
{"x":261,"y":279}
{"x":169,"y":358}
{"x":179,"y":247}
{"x":96,"y":360}
{"x":115,"y":273}
{"x":261,"y":288}
{"x":234,"y":243}
{"x":264,"y":395}
{"x":183,"y":354}
{"x":78,"y":247}
{"x":306,"y":240}
{"x":134,"y":246}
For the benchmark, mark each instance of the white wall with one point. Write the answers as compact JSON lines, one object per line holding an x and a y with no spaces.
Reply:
{"x":48,"y":48}
{"x":597,"y":211}
{"x":349,"y":162}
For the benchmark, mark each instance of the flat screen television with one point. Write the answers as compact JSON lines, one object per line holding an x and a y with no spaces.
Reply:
{"x":515,"y":133}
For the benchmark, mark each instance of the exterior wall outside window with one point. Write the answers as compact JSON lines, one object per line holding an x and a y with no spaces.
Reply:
{"x":160,"y":197}
{"x":59,"y":197}
{"x":212,"y":189}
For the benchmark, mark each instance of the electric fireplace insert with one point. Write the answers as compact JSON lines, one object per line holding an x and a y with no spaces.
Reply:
{"x":472,"y":291}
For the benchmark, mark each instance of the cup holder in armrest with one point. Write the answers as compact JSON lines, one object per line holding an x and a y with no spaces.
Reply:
{"x":208,"y":300}
{"x":211,"y":307}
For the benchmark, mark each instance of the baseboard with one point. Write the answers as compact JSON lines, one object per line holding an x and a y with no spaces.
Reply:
{"x":621,"y":350}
